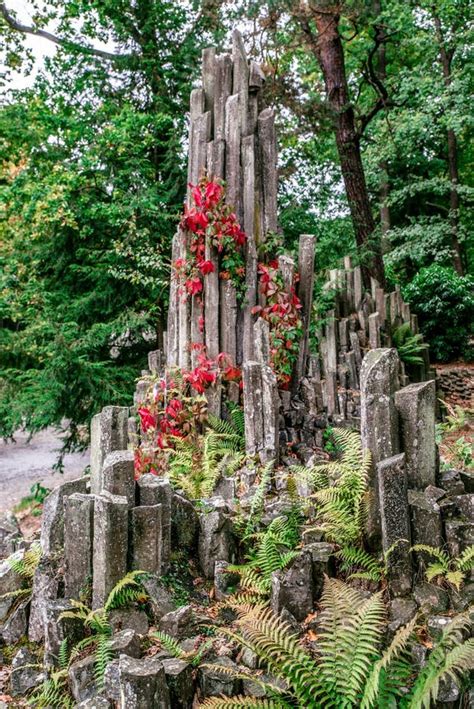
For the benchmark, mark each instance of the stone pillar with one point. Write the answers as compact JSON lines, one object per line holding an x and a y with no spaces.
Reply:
{"x":416,"y":405}
{"x":146,"y":529}
{"x":261,"y":341}
{"x":307,"y":246}
{"x":395,"y":520}
{"x":374,"y":331}
{"x":52,"y":521}
{"x":379,"y":418}
{"x":78,"y":541}
{"x":261,"y":406}
{"x":118,"y":475}
{"x":110,"y":545}
{"x":153,"y":490}
{"x":108,"y":433}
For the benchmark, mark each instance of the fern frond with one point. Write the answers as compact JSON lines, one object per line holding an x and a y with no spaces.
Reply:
{"x":125,"y":591}
{"x":455,"y":578}
{"x":353,"y":557}
{"x":63,"y":654}
{"x":434,"y":570}
{"x":439,"y":554}
{"x":395,"y":649}
{"x":102,"y":656}
{"x":242,"y":702}
{"x":170,"y":644}
{"x":465,"y":562}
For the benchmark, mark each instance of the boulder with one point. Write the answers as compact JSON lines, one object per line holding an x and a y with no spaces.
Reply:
{"x":292,"y":588}
{"x":129,"y":619}
{"x":180,"y":681}
{"x":126,"y":642}
{"x":214,"y":682}
{"x":178,"y":623}
{"x":143,"y":683}
{"x":15,"y":626}
{"x":160,"y":598}
{"x":94,"y":703}
{"x":81,"y":679}
{"x":430,"y":598}
{"x":26,"y":673}
{"x":401,"y":612}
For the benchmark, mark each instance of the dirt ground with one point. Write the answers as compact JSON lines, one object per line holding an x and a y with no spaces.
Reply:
{"x":24,"y":463}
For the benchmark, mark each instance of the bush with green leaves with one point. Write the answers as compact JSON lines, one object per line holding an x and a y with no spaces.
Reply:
{"x":350,"y":668}
{"x":444,"y":303}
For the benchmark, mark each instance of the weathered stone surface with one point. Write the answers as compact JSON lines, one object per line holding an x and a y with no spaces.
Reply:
{"x":306,"y":249}
{"x":223,"y":580}
{"x":9,"y":535}
{"x":143,"y":684}
{"x":78,"y":538}
{"x":215,"y":682}
{"x":118,"y":475}
{"x":459,"y":536}
{"x":216,"y":540}
{"x":261,"y":404}
{"x":153,"y":490}
{"x":146,"y":542}
{"x":178,"y":623}
{"x":396,"y":533}
{"x":431,"y":598}
{"x":9,"y":581}
{"x":293,"y":588}
{"x":26,"y":672}
{"x":184,"y":524}
{"x":465,"y":506}
{"x":437,"y":624}
{"x":52,"y":521}
{"x":94,"y":703}
{"x":112,"y":681}
{"x":402,"y":611}
{"x":81,"y":679}
{"x":467,"y":478}
{"x":160,"y":598}
{"x":109,"y":432}
{"x":129,"y":619}
{"x":450,"y":480}
{"x":126,"y":642}
{"x":416,"y":406}
{"x":110,"y":545}
{"x":425,"y":515}
{"x":15,"y":625}
{"x":180,"y":681}
{"x":379,"y":418}
{"x":374,"y":331}
{"x":45,"y":588}
{"x":321,"y":553}
{"x":56,"y":629}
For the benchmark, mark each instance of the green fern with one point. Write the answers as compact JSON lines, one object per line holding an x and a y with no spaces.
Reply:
{"x":446,"y":569}
{"x":409,"y":346}
{"x":350,"y":670}
{"x":96,"y":621}
{"x":53,"y":693}
{"x":242,"y":702}
{"x":24,"y":564}
{"x":258,"y":500}
{"x":198,"y":461}
{"x":360,"y":564}
{"x":170,"y":644}
{"x":342,"y":490}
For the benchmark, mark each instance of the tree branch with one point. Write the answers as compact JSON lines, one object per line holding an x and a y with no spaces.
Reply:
{"x":62,"y":42}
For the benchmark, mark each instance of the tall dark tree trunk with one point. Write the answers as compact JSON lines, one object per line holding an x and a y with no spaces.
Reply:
{"x":330,"y":54}
{"x":452,"y":152}
{"x":384,"y":190}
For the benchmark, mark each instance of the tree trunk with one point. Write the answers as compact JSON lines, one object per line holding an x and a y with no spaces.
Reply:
{"x":452,"y":154}
{"x":384,"y":190}
{"x":330,"y":55}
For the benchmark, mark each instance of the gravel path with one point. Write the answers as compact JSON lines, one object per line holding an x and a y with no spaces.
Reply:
{"x":22,"y":464}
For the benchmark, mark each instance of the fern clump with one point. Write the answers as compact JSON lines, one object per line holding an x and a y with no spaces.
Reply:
{"x":443,"y":568}
{"x":342,"y":490}
{"x":24,"y":564}
{"x":350,"y":668}
{"x":97,"y":623}
{"x":197,"y":461}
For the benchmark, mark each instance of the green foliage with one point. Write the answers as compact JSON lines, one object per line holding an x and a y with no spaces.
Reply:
{"x":197,"y":462}
{"x":444,"y":303}
{"x":341,"y":486}
{"x":126,"y":592}
{"x":445,"y":569}
{"x":53,"y":693}
{"x":175,"y":650}
{"x":360,"y":564}
{"x":408,"y":345}
{"x":351,"y":668}
{"x":24,"y":564}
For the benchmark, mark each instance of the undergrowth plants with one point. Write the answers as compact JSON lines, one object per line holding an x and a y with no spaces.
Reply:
{"x":445,"y":569}
{"x":350,"y":669}
{"x":24,"y":564}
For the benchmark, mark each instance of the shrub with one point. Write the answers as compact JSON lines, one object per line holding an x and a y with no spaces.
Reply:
{"x":444,"y":303}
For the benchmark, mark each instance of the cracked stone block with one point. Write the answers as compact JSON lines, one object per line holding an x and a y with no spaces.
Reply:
{"x":110,"y":545}
{"x":81,"y":679}
{"x":129,"y":619}
{"x":25,"y":674}
{"x":45,"y":589}
{"x":78,"y":538}
{"x":15,"y":626}
{"x":52,"y":520}
{"x":109,"y":432}
{"x":126,"y":642}
{"x":180,"y":681}
{"x":118,"y":475}
{"x":184,"y":524}
{"x":146,"y":540}
{"x":216,"y":683}
{"x":57,"y":629}
{"x":416,"y":404}
{"x":459,"y":536}
{"x":153,"y":490}
{"x":143,"y":683}
{"x":431,"y":598}
{"x":292,"y":588}
{"x":216,"y":540}
{"x":426,"y":523}
{"x":178,"y":623}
